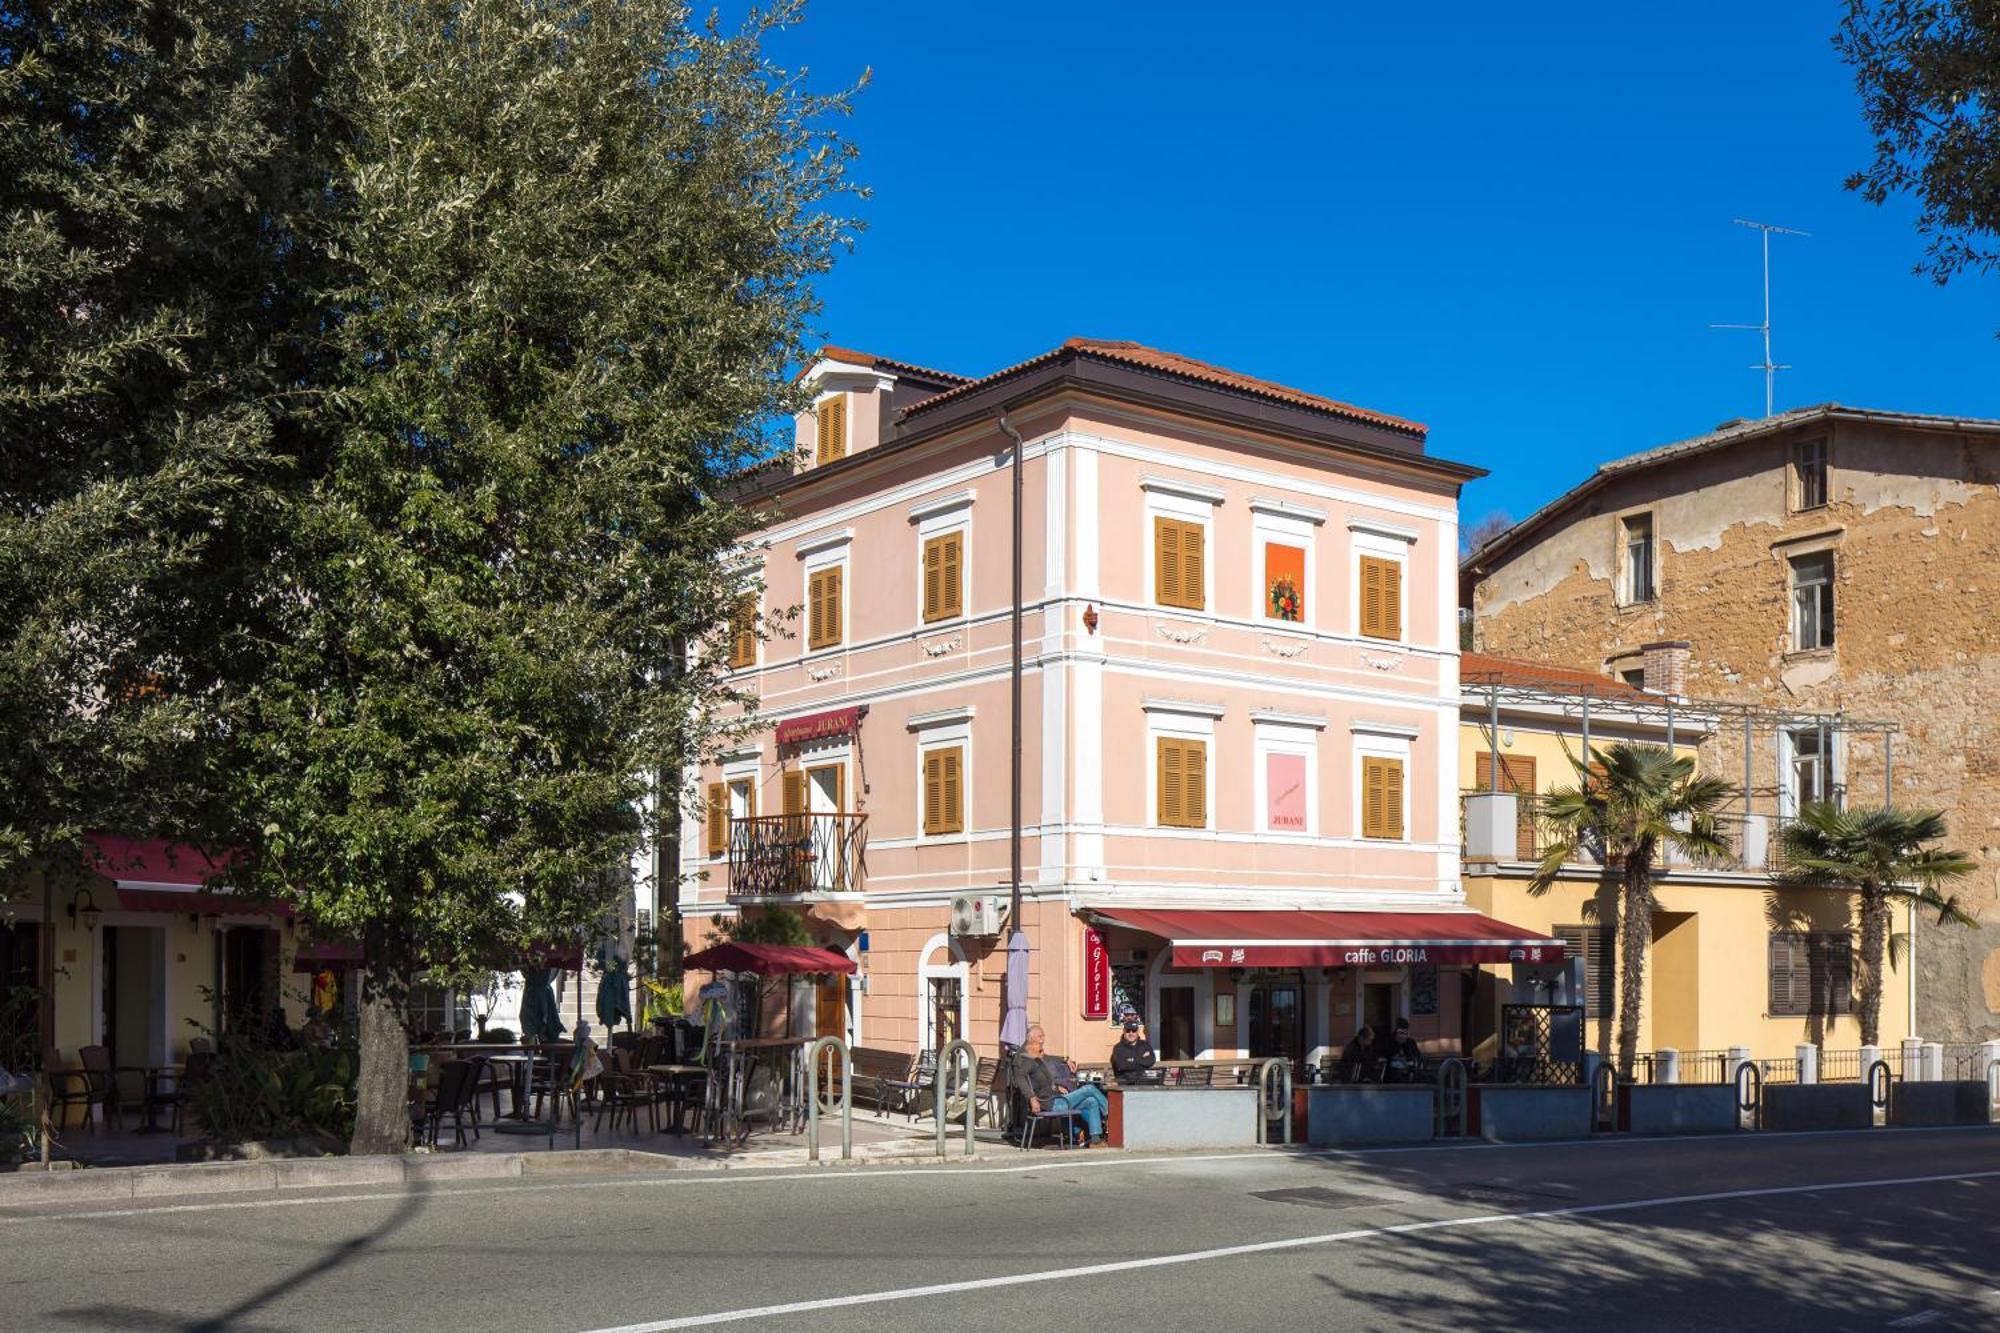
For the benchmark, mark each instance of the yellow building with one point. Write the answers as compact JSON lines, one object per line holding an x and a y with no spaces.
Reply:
{"x":1735,"y":960}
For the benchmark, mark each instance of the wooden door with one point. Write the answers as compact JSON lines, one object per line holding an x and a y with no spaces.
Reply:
{"x":830,"y":1007}
{"x":1517,"y":775}
{"x":1176,"y":1023}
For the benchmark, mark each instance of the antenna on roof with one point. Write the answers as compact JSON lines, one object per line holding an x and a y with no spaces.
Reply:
{"x":1768,"y":366}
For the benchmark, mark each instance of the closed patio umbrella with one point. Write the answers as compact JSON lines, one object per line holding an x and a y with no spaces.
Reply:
{"x":539,"y":1019}
{"x":614,"y":994}
{"x":1014,"y":1020}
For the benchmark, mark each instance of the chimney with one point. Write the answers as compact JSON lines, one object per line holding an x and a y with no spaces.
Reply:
{"x":1666,"y":666}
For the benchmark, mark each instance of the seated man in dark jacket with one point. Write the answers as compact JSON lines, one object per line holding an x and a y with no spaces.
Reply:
{"x":1132,"y":1058}
{"x":1049,"y":1083}
{"x":1357,"y":1059}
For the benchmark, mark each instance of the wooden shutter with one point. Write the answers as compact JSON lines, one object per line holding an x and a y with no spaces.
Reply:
{"x":1381,"y":797}
{"x":943,"y":558}
{"x":944,"y":791}
{"x":1517,"y":775}
{"x":1592,"y":944}
{"x":1179,"y":577}
{"x":743,"y":634}
{"x":718,"y":819}
{"x":1181,"y":769}
{"x":1381,"y":598}
{"x":832,"y":430}
{"x":1194,"y":778}
{"x":1790,"y":978}
{"x":823,"y":608}
{"x":794,"y":791}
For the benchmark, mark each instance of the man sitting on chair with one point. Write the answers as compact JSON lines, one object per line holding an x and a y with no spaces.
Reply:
{"x":1050,"y":1083}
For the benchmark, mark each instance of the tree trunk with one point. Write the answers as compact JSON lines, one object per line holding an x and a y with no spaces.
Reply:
{"x":1874,"y":950}
{"x":1635,"y":939}
{"x":382,"y":1097}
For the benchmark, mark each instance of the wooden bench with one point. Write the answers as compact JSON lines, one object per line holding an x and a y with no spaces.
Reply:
{"x":882,"y":1076}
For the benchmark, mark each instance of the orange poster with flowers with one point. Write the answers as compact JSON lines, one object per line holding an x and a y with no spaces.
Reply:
{"x":1284,"y":581}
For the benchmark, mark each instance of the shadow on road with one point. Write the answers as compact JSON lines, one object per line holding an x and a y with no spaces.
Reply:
{"x":237,"y":1318}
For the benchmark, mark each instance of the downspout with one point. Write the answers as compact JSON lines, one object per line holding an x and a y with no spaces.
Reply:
{"x":1014,"y":689}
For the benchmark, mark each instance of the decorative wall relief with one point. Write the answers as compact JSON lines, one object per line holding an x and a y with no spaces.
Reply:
{"x":818,"y":674}
{"x":939,"y":647}
{"x":1287,"y":648}
{"x":1382,"y":663}
{"x":1182,"y":634}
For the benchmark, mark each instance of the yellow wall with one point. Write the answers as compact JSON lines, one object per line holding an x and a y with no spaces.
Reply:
{"x":1709,"y":959}
{"x":1544,"y":744}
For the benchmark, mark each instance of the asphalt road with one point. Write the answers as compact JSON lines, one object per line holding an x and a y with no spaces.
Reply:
{"x":1885,"y":1230}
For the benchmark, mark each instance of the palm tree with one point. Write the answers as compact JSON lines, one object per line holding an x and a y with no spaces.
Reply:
{"x":1629,"y":802}
{"x":1883,"y":857}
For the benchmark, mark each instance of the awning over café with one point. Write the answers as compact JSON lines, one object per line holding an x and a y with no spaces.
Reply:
{"x":768,"y":960}
{"x":1334,"y":939}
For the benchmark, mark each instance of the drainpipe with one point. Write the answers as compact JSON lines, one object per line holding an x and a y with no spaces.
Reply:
{"x":1014,"y":687}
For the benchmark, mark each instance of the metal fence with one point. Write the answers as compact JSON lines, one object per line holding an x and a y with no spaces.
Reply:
{"x":1693,"y":1067}
{"x":1534,"y":835}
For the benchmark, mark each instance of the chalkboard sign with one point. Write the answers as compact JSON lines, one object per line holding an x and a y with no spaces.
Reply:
{"x":1128,"y":987}
{"x":1423,"y":988}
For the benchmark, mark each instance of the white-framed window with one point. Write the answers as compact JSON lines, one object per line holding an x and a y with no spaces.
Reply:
{"x":1286,"y":777}
{"x":1282,"y":576}
{"x":1383,"y":781}
{"x":1812,"y":601}
{"x":1638,"y":560}
{"x":1180,"y":763}
{"x":943,"y":774}
{"x":1381,"y":581}
{"x":1179,"y":554}
{"x":1810,"y":768}
{"x":944,"y":557}
{"x":943,"y":982}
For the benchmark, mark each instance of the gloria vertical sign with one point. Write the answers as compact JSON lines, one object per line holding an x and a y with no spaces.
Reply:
{"x":1096,"y":976}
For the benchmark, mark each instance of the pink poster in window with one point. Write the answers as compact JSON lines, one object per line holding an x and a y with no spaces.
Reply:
{"x":1285,"y":792}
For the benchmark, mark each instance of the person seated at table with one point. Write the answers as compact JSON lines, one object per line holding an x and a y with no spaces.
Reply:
{"x":1399,"y":1054}
{"x":1357,"y":1059}
{"x":1133,"y":1057}
{"x":1050,"y":1083}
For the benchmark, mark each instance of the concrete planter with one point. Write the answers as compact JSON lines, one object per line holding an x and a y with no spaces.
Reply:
{"x":1343,"y":1114}
{"x":1143,"y":1117}
{"x":1948,"y":1103}
{"x":1508,"y":1114}
{"x":1817,"y":1106}
{"x":1686,"y":1108}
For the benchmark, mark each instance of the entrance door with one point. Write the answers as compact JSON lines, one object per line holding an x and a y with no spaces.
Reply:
{"x":134,"y":995}
{"x":1176,"y":1034}
{"x":830,"y":1007}
{"x":1378,"y":1005}
{"x":247,"y":961}
{"x":1277,"y":1028}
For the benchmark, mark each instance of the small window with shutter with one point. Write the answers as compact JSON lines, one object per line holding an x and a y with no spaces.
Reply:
{"x":1811,"y":973}
{"x":1593,"y":944}
{"x":1180,"y":576}
{"x":832,"y":443}
{"x":1181,"y":782}
{"x":1381,"y":598}
{"x":718,"y":819}
{"x":944,"y":576}
{"x":1381,"y":797}
{"x":944,"y":791}
{"x":823,"y":607}
{"x":743,"y":634}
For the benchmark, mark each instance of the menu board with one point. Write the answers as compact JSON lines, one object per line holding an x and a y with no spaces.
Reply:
{"x":1423,"y":988}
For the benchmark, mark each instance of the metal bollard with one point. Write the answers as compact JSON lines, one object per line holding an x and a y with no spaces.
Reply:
{"x":1750,"y":1095}
{"x":1604,"y":1099}
{"x":1449,"y":1120}
{"x":947,"y":1065}
{"x":1283,"y":1069}
{"x":812,"y":1098}
{"x":1879,"y":1080}
{"x":1992,"y":1086}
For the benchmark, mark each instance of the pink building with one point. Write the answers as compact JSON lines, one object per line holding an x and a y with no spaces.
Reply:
{"x":1240,"y":700}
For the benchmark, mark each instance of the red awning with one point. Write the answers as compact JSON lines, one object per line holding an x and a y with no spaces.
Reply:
{"x":819,"y":726}
{"x":198,"y":900}
{"x":330,"y":954}
{"x":150,"y":861}
{"x":1336,"y":939}
{"x":767,"y":960}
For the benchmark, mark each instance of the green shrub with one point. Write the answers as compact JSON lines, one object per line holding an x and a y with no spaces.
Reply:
{"x":17,"y":1127}
{"x":255,"y":1093}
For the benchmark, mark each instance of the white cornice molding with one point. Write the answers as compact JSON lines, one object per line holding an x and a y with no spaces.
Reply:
{"x":1377,"y":528}
{"x":1186,"y":490}
{"x":942,"y":717}
{"x":823,"y":541}
{"x":1271,"y":717}
{"x":1267,"y":504}
{"x":1362,"y":726}
{"x":941,"y":504}
{"x":1185,"y":707}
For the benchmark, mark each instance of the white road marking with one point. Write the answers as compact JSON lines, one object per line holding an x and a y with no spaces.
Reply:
{"x":1264,"y":1247}
{"x":1917,"y":1320}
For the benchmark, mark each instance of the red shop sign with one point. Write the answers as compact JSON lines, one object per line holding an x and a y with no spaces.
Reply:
{"x":1096,"y":976}
{"x":819,"y":726}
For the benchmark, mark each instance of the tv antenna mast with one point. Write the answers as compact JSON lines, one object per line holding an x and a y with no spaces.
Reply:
{"x":1768,"y":366}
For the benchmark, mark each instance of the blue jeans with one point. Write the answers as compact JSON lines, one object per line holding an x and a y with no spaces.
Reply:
{"x":1087,"y":1101}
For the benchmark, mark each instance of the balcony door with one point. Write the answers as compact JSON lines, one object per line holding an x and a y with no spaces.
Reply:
{"x":814,"y":799}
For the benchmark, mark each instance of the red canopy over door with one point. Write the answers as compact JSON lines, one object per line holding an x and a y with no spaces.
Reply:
{"x":768,"y":960}
{"x":1335,"y":939}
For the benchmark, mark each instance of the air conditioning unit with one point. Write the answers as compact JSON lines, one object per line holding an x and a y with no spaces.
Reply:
{"x":975,"y":914}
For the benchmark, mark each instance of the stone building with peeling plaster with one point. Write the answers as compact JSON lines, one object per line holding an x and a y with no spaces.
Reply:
{"x":1826,"y":559}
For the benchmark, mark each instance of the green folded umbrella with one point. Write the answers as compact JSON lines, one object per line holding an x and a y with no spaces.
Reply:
{"x":614,"y":993}
{"x":539,"y":1019}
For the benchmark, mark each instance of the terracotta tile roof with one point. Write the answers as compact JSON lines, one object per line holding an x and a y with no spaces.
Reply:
{"x":1171,"y":363}
{"x":1485,"y":669}
{"x":832,"y":353}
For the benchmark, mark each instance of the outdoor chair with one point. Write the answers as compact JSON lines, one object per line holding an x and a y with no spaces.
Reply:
{"x":457,"y":1092}
{"x":194,"y":1070}
{"x":984,"y":1100}
{"x":102,"y":1079}
{"x":625,"y":1093}
{"x":549,"y":1081}
{"x":67,"y":1087}
{"x":1069,"y":1124}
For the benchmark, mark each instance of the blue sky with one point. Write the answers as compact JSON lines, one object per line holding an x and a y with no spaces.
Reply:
{"x":1509,"y":222}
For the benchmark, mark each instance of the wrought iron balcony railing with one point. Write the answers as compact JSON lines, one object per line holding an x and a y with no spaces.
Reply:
{"x":774,"y":856}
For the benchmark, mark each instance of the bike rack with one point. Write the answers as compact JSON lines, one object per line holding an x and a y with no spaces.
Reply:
{"x":1750,"y":1094}
{"x":1992,"y":1086}
{"x":1450,"y":1108}
{"x":1265,"y":1112}
{"x":941,"y":1084}
{"x":1879,"y":1079}
{"x":812,"y":1097}
{"x":1604,"y":1099}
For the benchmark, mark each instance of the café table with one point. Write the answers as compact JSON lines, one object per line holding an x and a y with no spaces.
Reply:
{"x":154,"y":1076}
{"x":673,"y":1075}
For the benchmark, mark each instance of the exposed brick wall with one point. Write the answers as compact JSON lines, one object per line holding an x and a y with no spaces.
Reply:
{"x":1914,"y":525}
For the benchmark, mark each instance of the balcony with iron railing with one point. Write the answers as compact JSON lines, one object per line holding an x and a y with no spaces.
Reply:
{"x":1514,"y":827}
{"x":791,"y":856}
